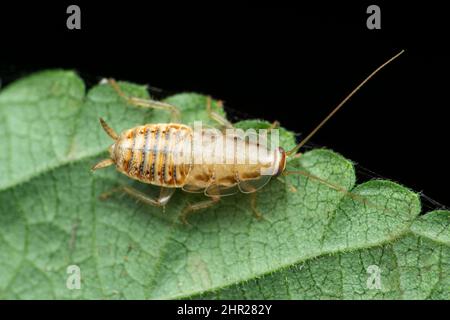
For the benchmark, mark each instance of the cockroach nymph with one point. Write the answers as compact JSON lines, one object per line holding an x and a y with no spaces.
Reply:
{"x":161,"y":154}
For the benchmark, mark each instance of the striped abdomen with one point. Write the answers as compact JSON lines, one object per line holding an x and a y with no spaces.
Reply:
{"x":154,"y":153}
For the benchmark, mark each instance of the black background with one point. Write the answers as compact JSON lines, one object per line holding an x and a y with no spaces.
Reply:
{"x":277,"y":61}
{"x":281,"y":309}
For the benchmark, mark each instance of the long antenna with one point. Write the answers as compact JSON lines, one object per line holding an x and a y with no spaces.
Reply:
{"x":312,"y":133}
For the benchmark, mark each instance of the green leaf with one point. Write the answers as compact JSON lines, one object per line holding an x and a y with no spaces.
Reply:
{"x":314,"y":242}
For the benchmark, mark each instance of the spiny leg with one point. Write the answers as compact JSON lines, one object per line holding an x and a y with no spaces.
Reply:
{"x":191,"y":208}
{"x":160,"y":201}
{"x":110,"y":131}
{"x":215,"y":116}
{"x":288,"y":184}
{"x":328,"y":184}
{"x":274,"y":125}
{"x":147,"y":103}
{"x":103,"y":164}
{"x":250,"y":189}
{"x":255,"y":210}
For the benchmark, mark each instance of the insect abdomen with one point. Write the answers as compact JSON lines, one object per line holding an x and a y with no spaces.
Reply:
{"x":228,"y":161}
{"x":147,"y":153}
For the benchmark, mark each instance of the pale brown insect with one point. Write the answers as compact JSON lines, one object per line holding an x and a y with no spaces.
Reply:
{"x":162,"y":154}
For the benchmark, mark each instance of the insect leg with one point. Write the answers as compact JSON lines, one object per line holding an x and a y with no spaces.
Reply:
{"x":328,"y":184}
{"x":109,"y":131}
{"x":255,"y":210}
{"x":215,"y":116}
{"x":147,"y":103}
{"x":246,"y":187}
{"x":289,"y":185}
{"x":274,"y":125}
{"x":197,"y":206}
{"x":103,"y":164}
{"x":161,"y":201}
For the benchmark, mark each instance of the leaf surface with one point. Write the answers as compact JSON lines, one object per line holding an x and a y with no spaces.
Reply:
{"x":314,"y":242}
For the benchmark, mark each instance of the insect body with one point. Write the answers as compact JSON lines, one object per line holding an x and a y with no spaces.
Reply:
{"x":172,"y":155}
{"x":164,"y":155}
